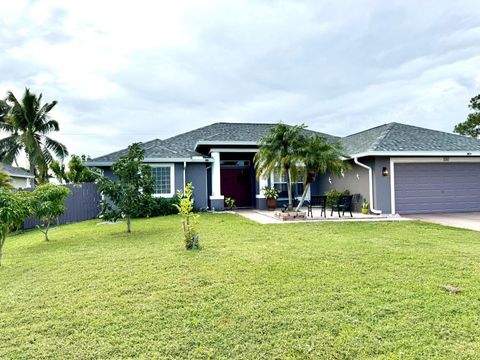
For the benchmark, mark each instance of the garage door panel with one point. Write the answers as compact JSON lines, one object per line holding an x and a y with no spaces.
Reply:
{"x":437,"y":187}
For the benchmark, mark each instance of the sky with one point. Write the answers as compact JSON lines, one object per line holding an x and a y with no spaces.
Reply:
{"x":125,"y":72}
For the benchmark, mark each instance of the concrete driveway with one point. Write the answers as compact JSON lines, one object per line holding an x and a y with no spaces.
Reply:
{"x":461,"y":220}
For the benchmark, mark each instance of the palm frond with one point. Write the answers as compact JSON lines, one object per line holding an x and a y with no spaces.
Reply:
{"x":58,"y":148}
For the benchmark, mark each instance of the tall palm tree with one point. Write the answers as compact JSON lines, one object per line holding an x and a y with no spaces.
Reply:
{"x":279,"y":151}
{"x":317,"y":156}
{"x":28,"y":122}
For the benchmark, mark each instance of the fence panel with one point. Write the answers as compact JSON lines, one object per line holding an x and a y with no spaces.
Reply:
{"x":82,"y":204}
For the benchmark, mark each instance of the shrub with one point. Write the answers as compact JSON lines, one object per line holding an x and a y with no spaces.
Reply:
{"x":334,"y":195}
{"x":159,"y":207}
{"x":190,"y":219}
{"x":14,"y":209}
{"x":230,"y":202}
{"x":48,"y":204}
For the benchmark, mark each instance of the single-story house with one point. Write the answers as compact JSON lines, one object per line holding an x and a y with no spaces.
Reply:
{"x":21,"y":179}
{"x":398,"y":168}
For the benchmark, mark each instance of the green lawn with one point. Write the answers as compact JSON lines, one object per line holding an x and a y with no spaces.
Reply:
{"x":332,"y":290}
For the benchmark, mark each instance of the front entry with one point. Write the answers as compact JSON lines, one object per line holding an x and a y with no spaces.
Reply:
{"x":236,"y":183}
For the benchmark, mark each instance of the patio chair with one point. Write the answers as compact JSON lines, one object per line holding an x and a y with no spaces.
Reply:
{"x":344,"y":204}
{"x":318,"y":201}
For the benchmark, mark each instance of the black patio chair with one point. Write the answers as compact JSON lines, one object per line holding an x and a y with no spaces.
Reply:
{"x":318,"y":201}
{"x":344,"y":204}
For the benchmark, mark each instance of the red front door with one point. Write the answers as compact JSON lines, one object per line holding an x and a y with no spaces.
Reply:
{"x":237,"y":184}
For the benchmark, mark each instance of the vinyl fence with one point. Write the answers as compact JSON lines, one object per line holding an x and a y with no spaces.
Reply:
{"x":83,"y":203}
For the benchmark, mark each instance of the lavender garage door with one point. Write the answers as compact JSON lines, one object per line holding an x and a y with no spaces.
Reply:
{"x":437,"y":187}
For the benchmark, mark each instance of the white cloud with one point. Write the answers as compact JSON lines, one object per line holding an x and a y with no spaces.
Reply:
{"x":132,"y":71}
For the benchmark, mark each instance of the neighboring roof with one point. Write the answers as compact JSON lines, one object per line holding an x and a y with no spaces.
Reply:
{"x":183,"y":146}
{"x":13,"y":171}
{"x":396,"y":137}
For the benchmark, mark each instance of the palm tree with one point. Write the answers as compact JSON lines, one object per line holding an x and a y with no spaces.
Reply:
{"x":279,"y":151}
{"x":28,"y":123}
{"x":5,"y":181}
{"x":319,"y":157}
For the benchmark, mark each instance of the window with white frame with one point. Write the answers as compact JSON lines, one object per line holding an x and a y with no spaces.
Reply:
{"x":279,"y":181}
{"x":163,"y":179}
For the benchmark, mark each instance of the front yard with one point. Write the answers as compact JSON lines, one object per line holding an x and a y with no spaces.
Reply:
{"x":333,"y":290}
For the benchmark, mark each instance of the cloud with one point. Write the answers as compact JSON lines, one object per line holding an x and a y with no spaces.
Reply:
{"x":134,"y":71}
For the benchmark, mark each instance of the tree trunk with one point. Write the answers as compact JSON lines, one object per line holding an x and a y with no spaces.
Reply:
{"x":46,"y":231}
{"x":289,"y":190}
{"x":129,"y":226}
{"x":32,"y":171}
{"x":2,"y":241}
{"x":305,"y":191}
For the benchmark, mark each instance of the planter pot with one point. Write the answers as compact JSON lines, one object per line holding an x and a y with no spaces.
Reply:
{"x":365,"y":211}
{"x":271,"y":204}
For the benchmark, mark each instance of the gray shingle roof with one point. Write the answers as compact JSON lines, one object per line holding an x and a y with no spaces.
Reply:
{"x":395,"y":137}
{"x":392,"y":137}
{"x":183,"y":145}
{"x":14,"y":171}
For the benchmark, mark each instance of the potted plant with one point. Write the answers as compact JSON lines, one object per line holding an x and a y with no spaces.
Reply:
{"x":365,"y":206}
{"x":271,"y":195}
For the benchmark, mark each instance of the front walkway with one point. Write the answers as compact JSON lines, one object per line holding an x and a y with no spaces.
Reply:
{"x":268,"y":217}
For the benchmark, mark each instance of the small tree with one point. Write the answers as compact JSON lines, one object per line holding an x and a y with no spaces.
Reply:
{"x":14,"y":209}
{"x":471,"y":126}
{"x":131,"y":192}
{"x":77,"y":171}
{"x":190,"y":219}
{"x":48,"y":204}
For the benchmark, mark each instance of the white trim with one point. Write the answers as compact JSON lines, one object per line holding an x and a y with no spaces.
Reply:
{"x":415,"y":153}
{"x":220,"y":142}
{"x":216,"y":175}
{"x":413,"y":160}
{"x":172,"y":179}
{"x":214,"y":197}
{"x":19,"y":176}
{"x":370,"y":185}
{"x":154,"y":160}
{"x":233,"y":150}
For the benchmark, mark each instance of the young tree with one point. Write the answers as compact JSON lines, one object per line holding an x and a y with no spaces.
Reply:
{"x":48,"y":204}
{"x":317,"y":156}
{"x":58,"y":169}
{"x":14,"y":209}
{"x":133,"y":188}
{"x":29,"y":123}
{"x":279,"y":150}
{"x":471,"y":126}
{"x":190,"y":219}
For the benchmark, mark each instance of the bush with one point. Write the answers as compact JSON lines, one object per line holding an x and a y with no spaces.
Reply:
{"x":189,"y":218}
{"x":163,"y":207}
{"x":334,"y":195}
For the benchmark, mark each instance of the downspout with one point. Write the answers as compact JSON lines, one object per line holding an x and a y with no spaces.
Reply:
{"x":370,"y":184}
{"x":184,"y":177}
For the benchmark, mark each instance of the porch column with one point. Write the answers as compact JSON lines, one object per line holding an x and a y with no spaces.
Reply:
{"x":216,"y":199}
{"x":260,"y":201}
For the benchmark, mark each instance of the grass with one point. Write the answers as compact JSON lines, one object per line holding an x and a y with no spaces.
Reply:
{"x":306,"y":290}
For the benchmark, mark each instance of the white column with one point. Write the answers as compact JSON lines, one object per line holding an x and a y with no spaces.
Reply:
{"x":262,"y":182}
{"x":216,"y":190}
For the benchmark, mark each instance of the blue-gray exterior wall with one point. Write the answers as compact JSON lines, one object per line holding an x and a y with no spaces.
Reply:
{"x":355,"y":181}
{"x":196,"y":173}
{"x":381,"y":185}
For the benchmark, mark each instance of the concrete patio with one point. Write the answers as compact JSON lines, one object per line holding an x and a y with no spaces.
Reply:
{"x":268,"y":217}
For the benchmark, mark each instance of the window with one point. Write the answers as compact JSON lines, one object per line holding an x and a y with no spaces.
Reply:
{"x":163,"y":181}
{"x":279,"y":181}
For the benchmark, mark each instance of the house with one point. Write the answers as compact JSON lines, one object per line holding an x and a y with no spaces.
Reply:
{"x":398,"y":168}
{"x":21,"y":179}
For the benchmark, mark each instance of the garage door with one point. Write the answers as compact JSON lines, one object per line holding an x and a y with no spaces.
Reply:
{"x":437,"y":187}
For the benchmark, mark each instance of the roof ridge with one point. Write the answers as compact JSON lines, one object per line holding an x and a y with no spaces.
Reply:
{"x":369,"y":129}
{"x":383,"y":135}
{"x":438,"y":131}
